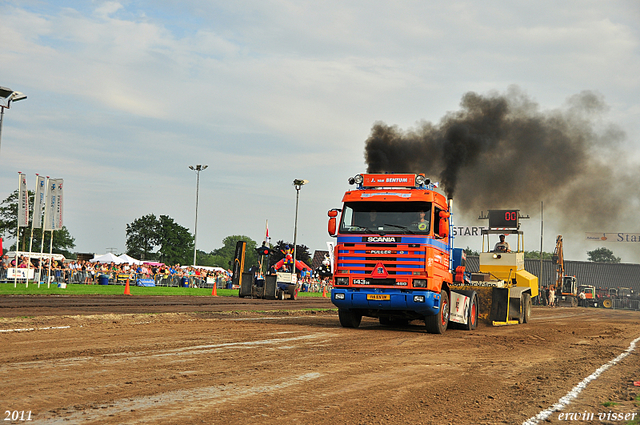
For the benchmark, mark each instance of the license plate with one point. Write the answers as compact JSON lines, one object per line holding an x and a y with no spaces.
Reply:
{"x":378,"y":297}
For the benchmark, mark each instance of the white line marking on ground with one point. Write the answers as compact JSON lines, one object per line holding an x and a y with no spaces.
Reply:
{"x":172,"y":405}
{"x":567,"y":399}
{"x":35,"y":329}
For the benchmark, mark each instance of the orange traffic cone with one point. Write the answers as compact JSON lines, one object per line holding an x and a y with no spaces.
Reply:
{"x":126,"y":288}
{"x":324,"y":292}
{"x":214,"y":293}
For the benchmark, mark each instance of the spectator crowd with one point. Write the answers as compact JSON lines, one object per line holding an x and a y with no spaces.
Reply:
{"x":87,"y":272}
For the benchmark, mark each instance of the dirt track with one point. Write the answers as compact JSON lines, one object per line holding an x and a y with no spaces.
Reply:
{"x":228,"y":362}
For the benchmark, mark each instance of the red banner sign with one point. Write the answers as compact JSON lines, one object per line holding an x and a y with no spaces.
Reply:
{"x":389,"y":180}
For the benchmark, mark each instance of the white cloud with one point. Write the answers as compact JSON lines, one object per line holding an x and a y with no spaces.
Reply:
{"x":107,"y":9}
{"x":124,"y":95}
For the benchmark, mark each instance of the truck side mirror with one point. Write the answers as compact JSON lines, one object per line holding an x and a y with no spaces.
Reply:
{"x":332,"y":227}
{"x":443,"y":228}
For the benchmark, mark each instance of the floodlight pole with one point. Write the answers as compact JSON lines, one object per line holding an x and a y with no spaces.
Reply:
{"x":1,"y":119}
{"x":197,"y":169}
{"x":297,"y":183}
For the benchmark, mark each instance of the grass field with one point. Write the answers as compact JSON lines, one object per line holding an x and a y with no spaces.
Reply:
{"x":76,"y":289}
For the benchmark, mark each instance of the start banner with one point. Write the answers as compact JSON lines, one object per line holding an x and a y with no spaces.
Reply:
{"x":468,"y":230}
{"x":614,"y":237}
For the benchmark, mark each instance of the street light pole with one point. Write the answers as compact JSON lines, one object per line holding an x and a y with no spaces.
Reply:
{"x":197,"y":169}
{"x":10,"y":96}
{"x":297,"y":183}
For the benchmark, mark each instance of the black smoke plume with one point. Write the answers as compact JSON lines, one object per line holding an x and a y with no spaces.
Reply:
{"x":502,"y":151}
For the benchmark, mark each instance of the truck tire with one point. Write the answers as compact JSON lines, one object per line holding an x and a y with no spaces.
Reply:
{"x":294,"y":296}
{"x":607,"y":303}
{"x":349,"y":319}
{"x":437,"y":324}
{"x":526,"y":307}
{"x":472,"y":320}
{"x":280,"y":294}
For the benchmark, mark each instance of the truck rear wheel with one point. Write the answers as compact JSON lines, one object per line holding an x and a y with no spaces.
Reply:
{"x":437,"y":324}
{"x":472,"y":320}
{"x":349,"y":319}
{"x":294,"y":296}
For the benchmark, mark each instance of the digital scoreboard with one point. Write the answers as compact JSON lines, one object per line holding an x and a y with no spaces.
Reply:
{"x":504,"y":219}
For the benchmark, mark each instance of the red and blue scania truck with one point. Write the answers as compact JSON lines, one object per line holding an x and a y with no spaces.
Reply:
{"x":394,"y":260}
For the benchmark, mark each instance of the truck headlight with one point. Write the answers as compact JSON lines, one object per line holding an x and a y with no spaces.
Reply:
{"x":342,"y":281}
{"x":338,"y":296}
{"x":418,"y":298}
{"x":419,"y":283}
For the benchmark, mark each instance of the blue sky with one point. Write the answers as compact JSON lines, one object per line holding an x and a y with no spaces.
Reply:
{"x":124,"y":96}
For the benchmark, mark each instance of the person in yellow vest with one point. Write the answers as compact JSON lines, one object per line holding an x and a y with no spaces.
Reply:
{"x":422,"y":223}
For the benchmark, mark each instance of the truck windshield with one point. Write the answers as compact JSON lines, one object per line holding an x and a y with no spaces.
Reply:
{"x":386,"y":217}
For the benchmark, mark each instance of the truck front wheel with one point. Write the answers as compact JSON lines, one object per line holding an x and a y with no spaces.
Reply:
{"x":437,"y":324}
{"x":349,"y":319}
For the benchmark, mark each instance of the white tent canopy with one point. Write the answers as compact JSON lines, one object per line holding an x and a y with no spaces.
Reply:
{"x":130,"y":260}
{"x":107,"y":258}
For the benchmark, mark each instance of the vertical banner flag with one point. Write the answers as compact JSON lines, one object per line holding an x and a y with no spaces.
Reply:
{"x":50,"y":207}
{"x":266,"y":236}
{"x":23,"y":202}
{"x":58,"y":208}
{"x":39,"y":201}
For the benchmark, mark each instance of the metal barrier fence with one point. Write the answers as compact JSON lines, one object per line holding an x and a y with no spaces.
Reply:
{"x":84,"y":277}
{"x":626,"y":304}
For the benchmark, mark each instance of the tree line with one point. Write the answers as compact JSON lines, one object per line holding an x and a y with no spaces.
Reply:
{"x":151,"y":238}
{"x":598,"y":255}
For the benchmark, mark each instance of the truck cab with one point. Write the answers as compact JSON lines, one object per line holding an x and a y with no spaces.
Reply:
{"x":392,"y":256}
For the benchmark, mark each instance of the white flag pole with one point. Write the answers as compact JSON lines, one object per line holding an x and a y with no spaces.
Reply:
{"x":51,"y":202}
{"x":38,"y":202}
{"x":21,"y":219}
{"x":50,"y":260}
{"x":54,"y":211}
{"x":15,"y":274}
{"x":47,"y":222}
{"x":44,"y":226}
{"x":33,"y":219}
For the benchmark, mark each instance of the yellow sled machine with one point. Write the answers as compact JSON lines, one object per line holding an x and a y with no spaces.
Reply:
{"x":502,"y":282}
